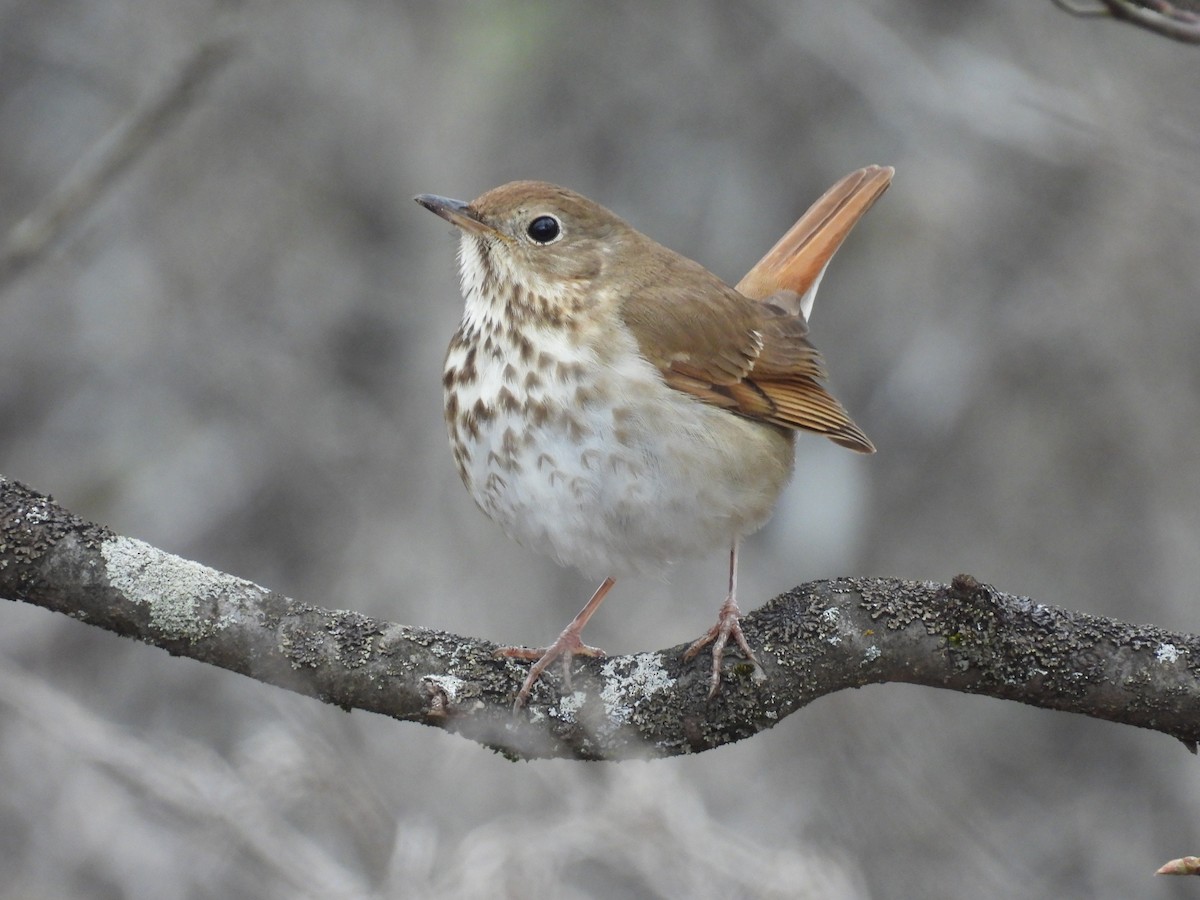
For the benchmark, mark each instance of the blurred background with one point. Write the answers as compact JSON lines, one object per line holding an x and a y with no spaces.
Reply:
{"x":236,"y":356}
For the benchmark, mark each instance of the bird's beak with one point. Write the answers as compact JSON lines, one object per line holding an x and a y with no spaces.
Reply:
{"x":456,"y":213}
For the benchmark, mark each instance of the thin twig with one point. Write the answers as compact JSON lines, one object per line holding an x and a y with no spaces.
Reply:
{"x":98,"y":170}
{"x":1083,"y":12}
{"x":1158,"y":16}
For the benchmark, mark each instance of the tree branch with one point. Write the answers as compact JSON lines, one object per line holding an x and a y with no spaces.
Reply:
{"x":818,"y":638}
{"x":1173,"y":20}
{"x":111,"y":156}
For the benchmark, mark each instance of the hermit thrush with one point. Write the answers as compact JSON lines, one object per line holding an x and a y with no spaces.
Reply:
{"x":617,"y":406}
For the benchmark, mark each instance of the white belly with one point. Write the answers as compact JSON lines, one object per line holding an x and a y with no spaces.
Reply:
{"x":611,"y":481}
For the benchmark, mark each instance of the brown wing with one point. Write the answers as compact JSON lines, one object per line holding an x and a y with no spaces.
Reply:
{"x":748,"y":356}
{"x":752,"y":356}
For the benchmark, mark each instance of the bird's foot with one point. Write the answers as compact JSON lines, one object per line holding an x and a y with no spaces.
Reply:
{"x":567,"y":646}
{"x":728,"y":626}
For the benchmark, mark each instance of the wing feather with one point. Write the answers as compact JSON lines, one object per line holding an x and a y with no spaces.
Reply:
{"x":747,"y":349}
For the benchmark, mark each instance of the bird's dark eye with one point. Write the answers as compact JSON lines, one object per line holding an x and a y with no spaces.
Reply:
{"x":543,"y":229}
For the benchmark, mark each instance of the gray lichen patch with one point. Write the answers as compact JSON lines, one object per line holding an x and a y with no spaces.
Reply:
{"x":31,"y":525}
{"x":630,"y":680}
{"x":1166,"y":653}
{"x":180,"y":595}
{"x":355,"y":636}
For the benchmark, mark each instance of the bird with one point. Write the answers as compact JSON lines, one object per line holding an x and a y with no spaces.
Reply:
{"x":617,"y":406}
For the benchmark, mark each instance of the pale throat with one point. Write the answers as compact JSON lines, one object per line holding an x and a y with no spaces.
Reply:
{"x":496,"y":294}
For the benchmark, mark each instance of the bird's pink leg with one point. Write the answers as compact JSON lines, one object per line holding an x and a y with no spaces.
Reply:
{"x":567,"y":645}
{"x":727,"y":627}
